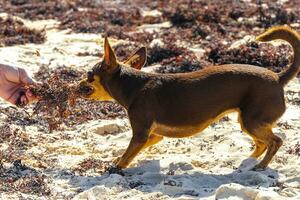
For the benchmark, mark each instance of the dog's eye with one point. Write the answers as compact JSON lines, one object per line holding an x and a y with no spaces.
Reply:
{"x":90,"y":76}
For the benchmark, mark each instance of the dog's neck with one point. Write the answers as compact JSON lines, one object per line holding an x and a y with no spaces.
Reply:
{"x":125,"y":84}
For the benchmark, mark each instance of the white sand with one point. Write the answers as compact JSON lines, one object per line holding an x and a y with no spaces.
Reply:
{"x":201,"y":167}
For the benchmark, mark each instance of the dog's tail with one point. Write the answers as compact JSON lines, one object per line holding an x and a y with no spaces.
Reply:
{"x":292,"y":37}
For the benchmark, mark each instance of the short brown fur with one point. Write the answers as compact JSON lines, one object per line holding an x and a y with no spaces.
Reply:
{"x":181,"y":105}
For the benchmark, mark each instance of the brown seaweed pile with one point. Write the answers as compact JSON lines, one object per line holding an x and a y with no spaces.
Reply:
{"x":57,"y":92}
{"x":294,"y":150}
{"x":14,"y":32}
{"x":20,"y":178}
{"x":36,"y":9}
{"x":253,"y":53}
{"x":58,"y":103}
{"x":92,"y":165}
{"x":17,"y":140}
{"x":17,"y":176}
{"x":157,"y":53}
{"x":228,"y":18}
{"x":97,"y":20}
{"x":54,"y":99}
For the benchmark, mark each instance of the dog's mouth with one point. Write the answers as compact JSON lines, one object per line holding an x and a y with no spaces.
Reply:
{"x":85,"y":89}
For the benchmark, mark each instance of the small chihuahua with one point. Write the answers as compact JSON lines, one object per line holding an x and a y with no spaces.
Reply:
{"x":181,"y":105}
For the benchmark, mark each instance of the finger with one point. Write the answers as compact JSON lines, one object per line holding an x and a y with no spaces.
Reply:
{"x":24,"y":100}
{"x":16,"y":97}
{"x":24,"y":77}
{"x":28,"y":94}
{"x":30,"y":97}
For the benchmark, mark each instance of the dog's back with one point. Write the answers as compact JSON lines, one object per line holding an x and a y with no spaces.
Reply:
{"x":187,"y":99}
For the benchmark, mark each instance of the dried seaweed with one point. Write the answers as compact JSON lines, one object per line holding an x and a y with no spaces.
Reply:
{"x":275,"y":14}
{"x":92,"y":165}
{"x":58,"y":102}
{"x":14,"y":137}
{"x":17,"y":116}
{"x":19,"y":177}
{"x":157,"y":53}
{"x":13,"y":32}
{"x":180,"y":66}
{"x":294,"y":150}
{"x":100,"y":19}
{"x":263,"y":55}
{"x":182,"y":60}
{"x":16,"y":140}
{"x":36,"y":9}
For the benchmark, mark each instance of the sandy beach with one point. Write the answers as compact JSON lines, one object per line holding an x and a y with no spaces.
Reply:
{"x":213,"y":164}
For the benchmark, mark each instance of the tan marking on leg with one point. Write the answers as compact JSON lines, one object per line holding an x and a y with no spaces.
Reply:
{"x":260,"y":148}
{"x":272,"y":142}
{"x":263,"y":138}
{"x":132,"y":150}
{"x":153,"y":139}
{"x":135,"y":146}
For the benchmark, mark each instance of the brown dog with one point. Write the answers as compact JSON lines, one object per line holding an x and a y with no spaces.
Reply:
{"x":181,"y":105}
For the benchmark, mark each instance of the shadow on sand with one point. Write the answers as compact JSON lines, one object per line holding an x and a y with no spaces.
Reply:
{"x":174,"y":181}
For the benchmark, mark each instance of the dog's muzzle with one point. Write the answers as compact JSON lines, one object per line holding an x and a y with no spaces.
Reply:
{"x":85,"y":89}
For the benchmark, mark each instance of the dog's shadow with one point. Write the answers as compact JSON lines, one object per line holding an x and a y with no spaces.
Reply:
{"x":176,"y":180}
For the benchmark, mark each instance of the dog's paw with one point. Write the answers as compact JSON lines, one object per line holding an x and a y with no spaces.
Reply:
{"x":114,"y":169}
{"x":116,"y":161}
{"x":247,"y":164}
{"x":258,"y":168}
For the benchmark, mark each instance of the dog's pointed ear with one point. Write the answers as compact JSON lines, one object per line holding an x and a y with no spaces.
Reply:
{"x":109,"y":58}
{"x":138,"y":59}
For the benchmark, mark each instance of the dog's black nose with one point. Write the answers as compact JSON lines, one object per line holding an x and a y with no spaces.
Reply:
{"x":85,"y":89}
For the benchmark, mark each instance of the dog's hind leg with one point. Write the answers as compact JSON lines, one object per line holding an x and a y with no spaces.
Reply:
{"x":272,"y":142}
{"x":263,"y":138}
{"x":260,"y":146}
{"x":258,"y":114}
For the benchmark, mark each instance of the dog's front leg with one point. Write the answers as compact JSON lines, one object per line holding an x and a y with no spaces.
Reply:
{"x":135,"y":146}
{"x":138,"y":142}
{"x":152,"y":139}
{"x":141,"y":126}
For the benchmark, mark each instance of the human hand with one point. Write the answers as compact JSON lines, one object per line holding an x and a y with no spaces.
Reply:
{"x":13,"y":82}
